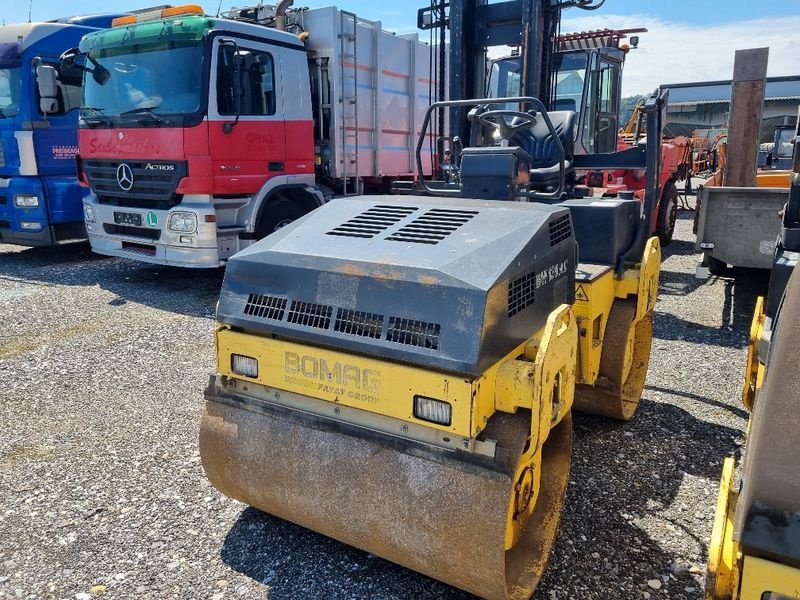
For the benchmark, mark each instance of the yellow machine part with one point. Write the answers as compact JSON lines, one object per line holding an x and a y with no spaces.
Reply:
{"x":754,"y":370}
{"x":302,"y":442}
{"x":732,"y":575}
{"x":721,"y":574}
{"x":616,"y":332}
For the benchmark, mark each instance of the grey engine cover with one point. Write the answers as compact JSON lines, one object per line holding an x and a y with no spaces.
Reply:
{"x":452,"y":285}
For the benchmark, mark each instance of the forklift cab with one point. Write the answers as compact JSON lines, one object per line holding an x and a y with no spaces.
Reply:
{"x":587,"y":82}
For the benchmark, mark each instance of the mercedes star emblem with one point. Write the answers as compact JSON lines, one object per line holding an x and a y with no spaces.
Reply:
{"x":125,"y":177}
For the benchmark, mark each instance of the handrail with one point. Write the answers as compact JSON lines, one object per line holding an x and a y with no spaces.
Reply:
{"x":490,"y":102}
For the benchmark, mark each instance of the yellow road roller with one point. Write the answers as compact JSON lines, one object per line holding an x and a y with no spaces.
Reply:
{"x":755,"y":545}
{"x":398,"y":373}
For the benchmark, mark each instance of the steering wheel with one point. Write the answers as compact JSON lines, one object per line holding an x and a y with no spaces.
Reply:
{"x":496,"y":119}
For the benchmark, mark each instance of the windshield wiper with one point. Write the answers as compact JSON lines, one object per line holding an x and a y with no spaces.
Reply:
{"x":98,"y":114}
{"x":157,"y":119}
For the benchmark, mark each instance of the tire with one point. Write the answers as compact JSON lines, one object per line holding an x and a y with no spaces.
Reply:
{"x":716,"y":266}
{"x":667,"y":214}
{"x":278,"y":215}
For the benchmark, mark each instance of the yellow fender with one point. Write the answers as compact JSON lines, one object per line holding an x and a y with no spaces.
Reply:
{"x":754,"y":370}
{"x":722,"y":574}
{"x":649,"y":273}
{"x":642,"y":280}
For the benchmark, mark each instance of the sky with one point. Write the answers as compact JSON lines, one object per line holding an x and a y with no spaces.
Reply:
{"x":687,"y":40}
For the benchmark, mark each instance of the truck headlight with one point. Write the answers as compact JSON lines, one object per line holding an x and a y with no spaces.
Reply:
{"x":246,"y":366}
{"x":26,"y":200}
{"x":434,"y":411}
{"x":182,"y":222}
{"x":30,"y":226}
{"x":88,"y":213}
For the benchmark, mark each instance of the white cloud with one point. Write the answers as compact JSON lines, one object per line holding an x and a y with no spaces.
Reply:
{"x":682,"y":52}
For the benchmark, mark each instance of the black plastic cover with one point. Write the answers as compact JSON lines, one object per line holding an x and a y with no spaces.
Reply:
{"x":453,"y":285}
{"x":491,"y":172}
{"x":604,"y":227}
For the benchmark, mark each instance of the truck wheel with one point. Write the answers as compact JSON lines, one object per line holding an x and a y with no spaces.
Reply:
{"x":667,"y":214}
{"x":278,"y":215}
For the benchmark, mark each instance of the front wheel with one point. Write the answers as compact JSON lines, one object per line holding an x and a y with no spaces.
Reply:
{"x":667,"y":214}
{"x":278,"y":215}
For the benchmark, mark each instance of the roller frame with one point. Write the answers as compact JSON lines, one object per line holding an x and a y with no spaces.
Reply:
{"x":249,"y":431}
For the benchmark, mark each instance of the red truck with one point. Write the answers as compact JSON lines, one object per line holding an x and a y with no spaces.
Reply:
{"x":200,"y":135}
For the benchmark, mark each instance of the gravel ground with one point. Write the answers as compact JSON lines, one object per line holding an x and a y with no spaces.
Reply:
{"x":103,"y":362}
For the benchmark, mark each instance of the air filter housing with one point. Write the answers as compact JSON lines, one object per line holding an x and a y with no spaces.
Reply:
{"x":451,"y":285}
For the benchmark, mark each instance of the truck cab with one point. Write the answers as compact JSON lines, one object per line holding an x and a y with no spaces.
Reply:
{"x":783,"y":146}
{"x":40,"y":199}
{"x":200,"y":135}
{"x":587,"y":82}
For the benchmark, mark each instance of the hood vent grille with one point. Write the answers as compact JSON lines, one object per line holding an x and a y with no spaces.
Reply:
{"x":521,"y":294}
{"x":307,"y":314}
{"x":414,"y":333}
{"x":265,"y":307}
{"x":373,"y":221}
{"x":560,"y":230}
{"x":353,"y":322}
{"x":432,"y":227}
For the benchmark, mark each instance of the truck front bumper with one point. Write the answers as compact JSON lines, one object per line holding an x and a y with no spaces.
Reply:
{"x":153,"y":242}
{"x":43,"y":237}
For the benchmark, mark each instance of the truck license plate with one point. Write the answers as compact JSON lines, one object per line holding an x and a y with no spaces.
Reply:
{"x":123,"y":218}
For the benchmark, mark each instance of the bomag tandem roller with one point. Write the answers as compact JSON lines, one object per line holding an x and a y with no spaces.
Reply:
{"x":398,"y":373}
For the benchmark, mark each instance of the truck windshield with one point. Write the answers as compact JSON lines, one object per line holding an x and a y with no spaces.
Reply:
{"x":570,"y":75}
{"x":785,"y":147}
{"x":569,"y":78}
{"x":10,"y":96}
{"x":146,"y":85}
{"x":505,"y":81}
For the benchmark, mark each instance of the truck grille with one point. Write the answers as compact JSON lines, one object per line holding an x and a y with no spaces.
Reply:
{"x":151,"y":188}
{"x":140,"y":232}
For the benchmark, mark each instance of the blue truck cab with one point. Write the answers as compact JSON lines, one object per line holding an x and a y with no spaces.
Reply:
{"x":41,"y":201}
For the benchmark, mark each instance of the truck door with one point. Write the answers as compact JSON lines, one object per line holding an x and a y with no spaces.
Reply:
{"x":602,"y":106}
{"x":608,"y":106}
{"x":246,"y":82}
{"x":56,"y":143}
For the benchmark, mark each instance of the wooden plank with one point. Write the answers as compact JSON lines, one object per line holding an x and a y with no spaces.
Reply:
{"x":744,"y":127}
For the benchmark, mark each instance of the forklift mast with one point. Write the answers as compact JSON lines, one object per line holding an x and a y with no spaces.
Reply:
{"x":477,"y":25}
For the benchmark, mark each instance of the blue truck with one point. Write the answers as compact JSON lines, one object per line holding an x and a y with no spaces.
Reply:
{"x":41,"y":201}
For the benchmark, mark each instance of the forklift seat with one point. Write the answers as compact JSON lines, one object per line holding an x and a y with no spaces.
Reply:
{"x":539,"y":143}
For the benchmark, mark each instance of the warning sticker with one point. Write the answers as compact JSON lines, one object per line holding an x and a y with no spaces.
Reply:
{"x":581,"y":295}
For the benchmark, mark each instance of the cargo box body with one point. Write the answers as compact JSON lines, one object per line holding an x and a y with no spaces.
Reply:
{"x":370,"y":90}
{"x":739,"y":226}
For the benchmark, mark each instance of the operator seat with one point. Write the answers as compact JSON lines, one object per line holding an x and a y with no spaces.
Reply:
{"x":540,"y":144}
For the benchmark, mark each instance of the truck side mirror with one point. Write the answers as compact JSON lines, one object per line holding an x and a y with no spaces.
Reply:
{"x":237,"y":87}
{"x":47,"y":83}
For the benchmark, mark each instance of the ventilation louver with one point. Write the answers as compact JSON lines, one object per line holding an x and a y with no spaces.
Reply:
{"x":353,"y":322}
{"x":560,"y":230}
{"x":432,"y":227}
{"x":310,"y":315}
{"x":373,"y":221}
{"x":521,"y":294}
{"x":265,"y":307}
{"x":414,"y":333}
